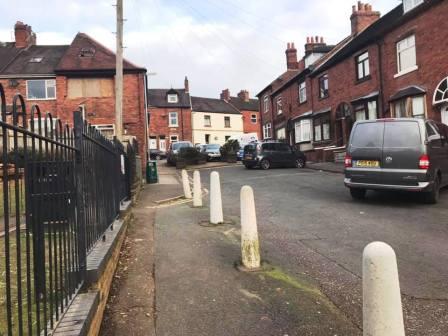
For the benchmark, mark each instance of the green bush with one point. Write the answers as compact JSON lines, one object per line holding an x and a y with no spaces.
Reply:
{"x":191,"y":155}
{"x":231,"y":147}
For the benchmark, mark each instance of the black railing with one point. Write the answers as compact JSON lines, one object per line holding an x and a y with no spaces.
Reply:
{"x":61,"y":190}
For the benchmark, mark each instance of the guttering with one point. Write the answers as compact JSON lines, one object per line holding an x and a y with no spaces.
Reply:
{"x":21,"y":76}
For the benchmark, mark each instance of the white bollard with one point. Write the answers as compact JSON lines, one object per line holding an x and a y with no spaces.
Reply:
{"x":250,"y":247}
{"x":197,"y":190}
{"x":382,"y":310}
{"x":216,"y":215}
{"x":186,"y":185}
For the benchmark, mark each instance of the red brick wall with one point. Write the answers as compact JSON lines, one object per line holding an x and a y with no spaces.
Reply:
{"x":159,"y":124}
{"x":248,"y":125}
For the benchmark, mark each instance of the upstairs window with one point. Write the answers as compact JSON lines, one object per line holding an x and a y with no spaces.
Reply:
{"x":253,"y":118}
{"x":227,"y":122}
{"x":266,"y":104}
{"x":173,"y":121}
{"x":279,"y":105}
{"x":411,"y":4}
{"x":323,"y":86}
{"x":302,"y":92}
{"x":362,"y":66}
{"x":207,"y":121}
{"x":406,"y":55}
{"x":173,"y":98}
{"x":41,"y":89}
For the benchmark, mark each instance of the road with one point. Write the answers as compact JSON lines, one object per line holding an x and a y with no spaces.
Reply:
{"x":308,"y":224}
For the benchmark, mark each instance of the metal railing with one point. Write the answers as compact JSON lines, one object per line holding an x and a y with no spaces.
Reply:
{"x":61,"y":190}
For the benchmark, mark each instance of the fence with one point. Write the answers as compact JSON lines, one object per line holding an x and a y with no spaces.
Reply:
{"x":61,"y":189}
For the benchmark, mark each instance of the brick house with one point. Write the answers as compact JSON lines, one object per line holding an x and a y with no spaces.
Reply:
{"x":389,"y":66}
{"x":249,"y":109}
{"x":169,"y":116}
{"x":65,"y":78}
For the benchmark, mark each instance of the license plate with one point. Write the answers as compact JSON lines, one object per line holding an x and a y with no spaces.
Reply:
{"x":248,"y":157}
{"x":366,"y":164}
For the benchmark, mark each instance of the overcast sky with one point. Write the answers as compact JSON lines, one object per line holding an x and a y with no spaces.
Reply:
{"x":218,"y":44}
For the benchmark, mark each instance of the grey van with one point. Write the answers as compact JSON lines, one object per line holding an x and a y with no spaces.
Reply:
{"x":398,"y":154}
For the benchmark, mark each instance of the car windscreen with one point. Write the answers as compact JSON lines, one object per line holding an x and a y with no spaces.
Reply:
{"x":368,"y":135}
{"x":179,"y":145}
{"x":402,"y":134}
{"x":250,"y":148}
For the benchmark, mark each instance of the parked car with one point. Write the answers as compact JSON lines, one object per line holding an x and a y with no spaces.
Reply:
{"x":156,"y":154}
{"x":173,"y":151}
{"x":240,"y":154}
{"x":397,"y":154}
{"x":212,"y":151}
{"x":272,"y":154}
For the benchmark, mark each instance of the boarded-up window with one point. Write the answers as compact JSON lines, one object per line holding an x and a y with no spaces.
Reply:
{"x":90,"y":87}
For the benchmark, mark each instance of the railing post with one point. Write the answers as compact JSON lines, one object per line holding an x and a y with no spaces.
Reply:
{"x":80,"y":206}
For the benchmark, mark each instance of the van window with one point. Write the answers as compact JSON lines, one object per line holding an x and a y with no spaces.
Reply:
{"x":282,"y":147}
{"x":368,"y":135}
{"x":402,"y":134}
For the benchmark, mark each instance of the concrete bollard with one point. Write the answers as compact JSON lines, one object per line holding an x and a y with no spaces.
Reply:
{"x":382,"y":310}
{"x":197,"y":190}
{"x":216,"y":215}
{"x":186,"y":185}
{"x":250,"y":247}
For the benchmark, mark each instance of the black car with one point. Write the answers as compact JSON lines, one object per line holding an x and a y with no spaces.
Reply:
{"x":272,"y":154}
{"x":155,"y":154}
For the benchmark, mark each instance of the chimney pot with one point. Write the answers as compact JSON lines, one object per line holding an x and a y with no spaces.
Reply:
{"x":186,"y":85}
{"x":24,"y":36}
{"x":292,"y":45}
{"x":308,"y":39}
{"x":322,"y":39}
{"x":225,"y":95}
{"x":359,"y":5}
{"x":291,"y":57}
{"x":363,"y":17}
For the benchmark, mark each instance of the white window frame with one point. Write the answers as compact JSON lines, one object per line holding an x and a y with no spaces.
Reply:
{"x":209,"y":119}
{"x":253,"y":118}
{"x":267,"y":131}
{"x":170,"y":124}
{"x":302,"y":92}
{"x":225,"y":122}
{"x":174,"y":136}
{"x":107,"y":127}
{"x":410,"y":44}
{"x":266,"y":104}
{"x":303,"y":131}
{"x":362,"y":66}
{"x":279,"y":105}
{"x":173,"y":98}
{"x":48,"y":83}
{"x":411,"y":4}
{"x":409,"y":104}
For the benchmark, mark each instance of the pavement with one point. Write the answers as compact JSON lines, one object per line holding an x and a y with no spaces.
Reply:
{"x":331,"y":167}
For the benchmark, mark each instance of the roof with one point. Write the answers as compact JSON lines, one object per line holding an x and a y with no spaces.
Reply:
{"x":212,"y":105}
{"x":97,"y":58}
{"x":384,"y":24}
{"x":7,"y":53}
{"x":46,"y":59}
{"x":412,"y":90}
{"x":280,"y":80}
{"x":242,"y":105}
{"x":158,"y":98}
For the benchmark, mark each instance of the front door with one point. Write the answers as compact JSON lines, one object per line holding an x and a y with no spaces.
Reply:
{"x":444,"y":113}
{"x":162,"y":145}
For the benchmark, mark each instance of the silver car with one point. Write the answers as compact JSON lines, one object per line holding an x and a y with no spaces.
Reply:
{"x":398,"y":154}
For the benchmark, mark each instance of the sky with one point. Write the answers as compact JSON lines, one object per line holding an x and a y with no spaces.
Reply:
{"x":218,"y":44}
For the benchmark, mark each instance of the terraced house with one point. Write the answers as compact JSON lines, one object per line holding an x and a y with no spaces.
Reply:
{"x":389,"y":66}
{"x":65,"y":78}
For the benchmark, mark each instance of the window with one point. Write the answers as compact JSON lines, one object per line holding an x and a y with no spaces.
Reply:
{"x":35,"y":59}
{"x":266,"y":104}
{"x":323,"y":86}
{"x":410,"y":107}
{"x":302,"y":92}
{"x":322,"y":128}
{"x":279,"y":105}
{"x":267,"y":131}
{"x":107,"y":130}
{"x":173,"y":98}
{"x":90,"y":87}
{"x":207,"y":138}
{"x":41,"y":89}
{"x":303,"y":130}
{"x":174,"y":138}
{"x":410,"y":4}
{"x":207,"y":121}
{"x":227,"y":122}
{"x":441,"y":93}
{"x":366,"y":111}
{"x":362,"y":66}
{"x":406,"y":56}
{"x":173,"y":122}
{"x":281,"y":134}
{"x":253,"y":118}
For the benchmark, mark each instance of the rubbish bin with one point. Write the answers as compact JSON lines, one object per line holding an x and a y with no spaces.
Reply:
{"x":151,"y":172}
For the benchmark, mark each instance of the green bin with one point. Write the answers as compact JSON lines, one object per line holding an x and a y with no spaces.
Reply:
{"x":151,"y":172}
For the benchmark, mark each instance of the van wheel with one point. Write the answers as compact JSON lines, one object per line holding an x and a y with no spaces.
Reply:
{"x":265,"y":164}
{"x":358,"y":194}
{"x":300,"y":163}
{"x":432,"y":197}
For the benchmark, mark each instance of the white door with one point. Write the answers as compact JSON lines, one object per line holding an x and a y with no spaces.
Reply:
{"x":152,"y":143}
{"x":444,"y":112}
{"x":162,"y":145}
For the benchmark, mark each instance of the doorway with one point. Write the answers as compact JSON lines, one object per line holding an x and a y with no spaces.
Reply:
{"x":444,"y":114}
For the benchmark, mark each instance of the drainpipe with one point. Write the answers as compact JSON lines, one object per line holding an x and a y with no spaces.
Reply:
{"x":274,"y":136}
{"x":380,"y":78}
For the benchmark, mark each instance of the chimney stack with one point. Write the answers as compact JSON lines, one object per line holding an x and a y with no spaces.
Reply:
{"x":225,"y":95}
{"x":24,"y":35}
{"x":291,"y":57}
{"x":186,"y":85}
{"x":244,"y":95}
{"x":312,"y":43}
{"x":362,"y":17}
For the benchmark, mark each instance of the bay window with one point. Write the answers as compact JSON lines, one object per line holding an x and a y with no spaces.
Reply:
{"x":322,"y":128}
{"x":302,"y":130}
{"x":410,"y":107}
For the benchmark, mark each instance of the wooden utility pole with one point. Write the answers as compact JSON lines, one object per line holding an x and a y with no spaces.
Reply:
{"x":119,"y":74}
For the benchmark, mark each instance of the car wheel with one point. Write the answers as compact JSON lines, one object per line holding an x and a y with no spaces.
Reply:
{"x":358,"y":194}
{"x":432,"y":197}
{"x":248,"y":166}
{"x":300,"y":163}
{"x":265,"y":164}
